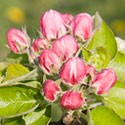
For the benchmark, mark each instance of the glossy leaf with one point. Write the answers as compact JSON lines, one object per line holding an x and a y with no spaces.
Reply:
{"x":103,"y":37}
{"x":118,"y":64}
{"x":13,"y":121}
{"x":17,"y":100}
{"x":105,"y":116}
{"x":37,"y":117}
{"x":56,"y":113}
{"x":15,"y":70}
{"x":116,"y":99}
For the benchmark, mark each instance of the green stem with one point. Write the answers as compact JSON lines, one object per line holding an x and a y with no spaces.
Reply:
{"x":28,"y":76}
{"x":94,"y":99}
{"x":1,"y":121}
{"x":90,"y":122}
{"x":95,"y":105}
{"x":31,"y":60}
{"x":84,"y":116}
{"x":78,"y":52}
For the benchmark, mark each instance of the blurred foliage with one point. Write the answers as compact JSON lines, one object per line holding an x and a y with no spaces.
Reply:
{"x":16,"y":13}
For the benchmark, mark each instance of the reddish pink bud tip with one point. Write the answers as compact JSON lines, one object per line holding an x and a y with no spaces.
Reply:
{"x":71,"y":100}
{"x":50,"y":89}
{"x":65,"y":47}
{"x":73,"y":70}
{"x":90,"y":69}
{"x":104,"y":80}
{"x":67,"y":18}
{"x":16,"y":40}
{"x":39,"y":44}
{"x":82,"y":25}
{"x":47,"y":58}
{"x":51,"y":23}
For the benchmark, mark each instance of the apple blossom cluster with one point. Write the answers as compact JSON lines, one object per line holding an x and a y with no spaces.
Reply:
{"x":56,"y":51}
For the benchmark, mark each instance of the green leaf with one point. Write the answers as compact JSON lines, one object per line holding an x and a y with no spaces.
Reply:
{"x":118,"y":64}
{"x":13,"y":121}
{"x":99,"y":58}
{"x":3,"y":66}
{"x":105,"y":116}
{"x":17,"y":58}
{"x":1,"y":79}
{"x":121,"y":44}
{"x":116,"y":99}
{"x":87,"y":55}
{"x":119,"y":84}
{"x":56,"y":112}
{"x":35,"y":84}
{"x":103,"y":37}
{"x":97,"y":21}
{"x":18,"y":100}
{"x":37,"y":117}
{"x":15,"y":70}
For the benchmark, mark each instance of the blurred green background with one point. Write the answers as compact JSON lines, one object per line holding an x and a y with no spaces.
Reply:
{"x":17,"y":13}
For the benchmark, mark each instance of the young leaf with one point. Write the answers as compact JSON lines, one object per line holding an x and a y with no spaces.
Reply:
{"x":18,"y":100}
{"x":99,"y":58}
{"x":1,"y":79}
{"x":87,"y":55}
{"x":105,"y":116}
{"x":37,"y":117}
{"x":17,"y":58}
{"x":35,"y":84}
{"x":103,"y":37}
{"x":118,"y":64}
{"x":116,"y":99}
{"x":97,"y":20}
{"x":56,"y":112}
{"x":15,"y":70}
{"x":121,"y":44}
{"x":13,"y":121}
{"x":3,"y":66}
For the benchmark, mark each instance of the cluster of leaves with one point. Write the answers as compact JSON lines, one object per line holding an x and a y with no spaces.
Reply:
{"x":20,"y":83}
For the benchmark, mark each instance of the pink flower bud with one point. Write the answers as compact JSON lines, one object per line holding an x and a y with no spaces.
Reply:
{"x":48,"y":58}
{"x":50,"y":90}
{"x":65,"y":47}
{"x":67,"y":18}
{"x":16,"y":40}
{"x":82,"y":25}
{"x":51,"y":23}
{"x":71,"y":100}
{"x":90,"y":69}
{"x":73,"y":71}
{"x":39,"y":44}
{"x":104,"y":81}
